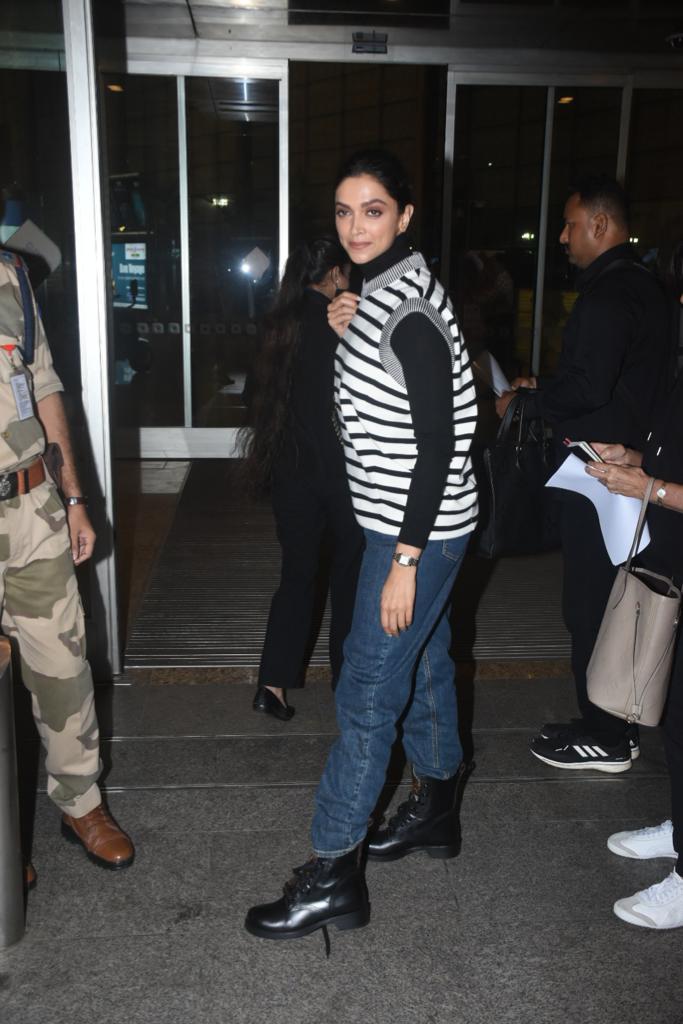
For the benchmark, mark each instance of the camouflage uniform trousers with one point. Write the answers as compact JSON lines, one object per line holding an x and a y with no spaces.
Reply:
{"x":42,"y":611}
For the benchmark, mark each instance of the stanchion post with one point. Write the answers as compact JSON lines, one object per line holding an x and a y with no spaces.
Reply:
{"x":11,"y":868}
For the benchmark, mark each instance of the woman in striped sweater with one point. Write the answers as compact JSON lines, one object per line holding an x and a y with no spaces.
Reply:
{"x":406,"y":406}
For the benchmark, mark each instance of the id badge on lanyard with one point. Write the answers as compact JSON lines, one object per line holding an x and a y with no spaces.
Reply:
{"x":22,"y":394}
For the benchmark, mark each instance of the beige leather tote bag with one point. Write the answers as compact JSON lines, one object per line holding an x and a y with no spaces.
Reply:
{"x":628,"y":674}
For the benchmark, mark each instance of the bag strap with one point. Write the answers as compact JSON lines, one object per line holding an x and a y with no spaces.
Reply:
{"x":506,"y":422}
{"x":640,"y":526}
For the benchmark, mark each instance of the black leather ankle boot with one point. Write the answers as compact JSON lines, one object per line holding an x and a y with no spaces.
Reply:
{"x":428,"y":820}
{"x":322,"y":891}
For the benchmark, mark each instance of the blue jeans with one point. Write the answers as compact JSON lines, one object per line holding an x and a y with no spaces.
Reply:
{"x":376,"y":684}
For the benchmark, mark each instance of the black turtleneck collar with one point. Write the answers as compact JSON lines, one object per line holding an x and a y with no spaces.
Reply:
{"x":623,"y":251}
{"x":397,"y":251}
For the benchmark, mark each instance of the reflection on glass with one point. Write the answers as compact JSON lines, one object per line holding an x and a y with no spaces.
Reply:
{"x":655,"y":168}
{"x":35,"y":185}
{"x":144,"y":231}
{"x":585,"y":142}
{"x":233,"y":176}
{"x":498,"y":162}
{"x":337,"y":108}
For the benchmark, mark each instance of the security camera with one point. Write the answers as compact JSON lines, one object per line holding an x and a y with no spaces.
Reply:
{"x":675,"y":40}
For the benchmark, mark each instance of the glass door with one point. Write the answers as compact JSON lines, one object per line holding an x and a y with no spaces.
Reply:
{"x":197,"y":172}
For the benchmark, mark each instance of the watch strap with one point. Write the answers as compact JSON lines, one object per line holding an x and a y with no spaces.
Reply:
{"x":402,"y":559}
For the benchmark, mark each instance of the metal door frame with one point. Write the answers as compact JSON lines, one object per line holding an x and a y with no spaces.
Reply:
{"x":188,"y":442}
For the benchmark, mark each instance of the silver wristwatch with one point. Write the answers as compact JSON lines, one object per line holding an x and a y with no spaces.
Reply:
{"x":401,"y":559}
{"x":661,"y":493}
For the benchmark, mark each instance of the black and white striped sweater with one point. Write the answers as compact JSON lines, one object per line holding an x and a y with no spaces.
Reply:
{"x":373,"y":409}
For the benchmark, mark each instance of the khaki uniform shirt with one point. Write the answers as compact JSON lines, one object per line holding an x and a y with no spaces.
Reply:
{"x":21,"y":434}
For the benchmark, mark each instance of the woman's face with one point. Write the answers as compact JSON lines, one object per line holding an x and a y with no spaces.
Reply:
{"x":368,"y":219}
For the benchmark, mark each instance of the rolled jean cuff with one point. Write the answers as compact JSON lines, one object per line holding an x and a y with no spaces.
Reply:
{"x":441,"y":774}
{"x":337,"y":853}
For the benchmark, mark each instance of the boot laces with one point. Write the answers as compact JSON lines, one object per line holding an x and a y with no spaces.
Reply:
{"x":303,"y":878}
{"x":407,"y":811}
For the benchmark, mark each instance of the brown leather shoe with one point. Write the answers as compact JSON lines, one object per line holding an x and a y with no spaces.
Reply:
{"x":30,"y":876}
{"x":102,"y":839}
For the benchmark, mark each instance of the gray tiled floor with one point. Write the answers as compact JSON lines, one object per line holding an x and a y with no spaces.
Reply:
{"x":519,"y":928}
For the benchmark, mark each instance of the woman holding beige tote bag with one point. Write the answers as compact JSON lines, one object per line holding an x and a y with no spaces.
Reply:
{"x":628,"y":472}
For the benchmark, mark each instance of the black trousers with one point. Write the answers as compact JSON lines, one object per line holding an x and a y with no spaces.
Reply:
{"x":588,"y":578}
{"x":306,"y":512}
{"x":673,"y":739}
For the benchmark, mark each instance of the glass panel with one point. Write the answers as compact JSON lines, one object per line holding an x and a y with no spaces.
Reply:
{"x":36,"y":186}
{"x":142,"y":157}
{"x":499,"y":133}
{"x":336,"y":108}
{"x":585,"y":141}
{"x":233,"y":183}
{"x":655,"y":167}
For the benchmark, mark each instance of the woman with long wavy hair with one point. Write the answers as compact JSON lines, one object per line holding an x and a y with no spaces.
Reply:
{"x":293,"y":452}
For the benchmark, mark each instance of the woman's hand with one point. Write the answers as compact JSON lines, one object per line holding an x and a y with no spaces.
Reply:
{"x":618,"y":479}
{"x":617,"y":454}
{"x":341,"y":311}
{"x":398,"y":599}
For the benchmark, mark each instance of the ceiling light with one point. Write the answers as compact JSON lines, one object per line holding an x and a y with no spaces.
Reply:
{"x":115,"y":87}
{"x":564,"y":100}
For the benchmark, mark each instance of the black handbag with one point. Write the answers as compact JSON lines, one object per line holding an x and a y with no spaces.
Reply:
{"x":518,"y":514}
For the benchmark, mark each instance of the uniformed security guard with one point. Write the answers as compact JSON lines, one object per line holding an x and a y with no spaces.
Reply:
{"x":42,"y":537}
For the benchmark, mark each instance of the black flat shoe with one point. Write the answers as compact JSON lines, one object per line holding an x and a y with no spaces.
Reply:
{"x":268,"y":703}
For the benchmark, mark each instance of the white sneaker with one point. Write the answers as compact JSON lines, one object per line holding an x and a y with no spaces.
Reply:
{"x":660,"y":906}
{"x":644,"y":843}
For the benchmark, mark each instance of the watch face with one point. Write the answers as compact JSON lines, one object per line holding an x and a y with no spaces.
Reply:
{"x":661,"y":492}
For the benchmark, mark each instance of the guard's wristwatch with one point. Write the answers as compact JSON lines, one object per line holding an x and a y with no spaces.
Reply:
{"x":75,"y":499}
{"x":661,"y":493}
{"x":403,"y":559}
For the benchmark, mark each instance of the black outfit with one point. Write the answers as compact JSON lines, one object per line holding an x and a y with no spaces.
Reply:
{"x":311,"y":501}
{"x":663,"y":459}
{"x":610,"y":375}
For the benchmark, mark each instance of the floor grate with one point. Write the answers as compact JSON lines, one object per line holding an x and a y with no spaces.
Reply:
{"x":208,"y":598}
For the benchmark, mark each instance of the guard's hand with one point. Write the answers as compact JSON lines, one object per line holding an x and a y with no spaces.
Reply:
{"x":341,"y":311}
{"x":523,"y":382}
{"x":628,"y":480}
{"x":81,"y":533}
{"x":397,"y":602}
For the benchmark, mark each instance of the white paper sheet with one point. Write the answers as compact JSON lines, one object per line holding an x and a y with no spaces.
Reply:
{"x":491,"y":371}
{"x":618,"y":514}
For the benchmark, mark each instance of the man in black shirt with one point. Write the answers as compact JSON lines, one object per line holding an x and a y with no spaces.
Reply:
{"x":610,"y":376}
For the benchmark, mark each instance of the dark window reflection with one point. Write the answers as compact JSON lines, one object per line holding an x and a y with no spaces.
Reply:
{"x":336,"y":109}
{"x":233,"y":181}
{"x":499,"y":135}
{"x":655,"y":168}
{"x":35,"y":183}
{"x":144,"y":236}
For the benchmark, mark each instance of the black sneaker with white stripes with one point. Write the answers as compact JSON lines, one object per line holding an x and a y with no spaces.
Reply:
{"x":578,"y":752}
{"x":577,"y":727}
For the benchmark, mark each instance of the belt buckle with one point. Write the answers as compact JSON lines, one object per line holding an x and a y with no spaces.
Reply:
{"x":7,"y":490}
